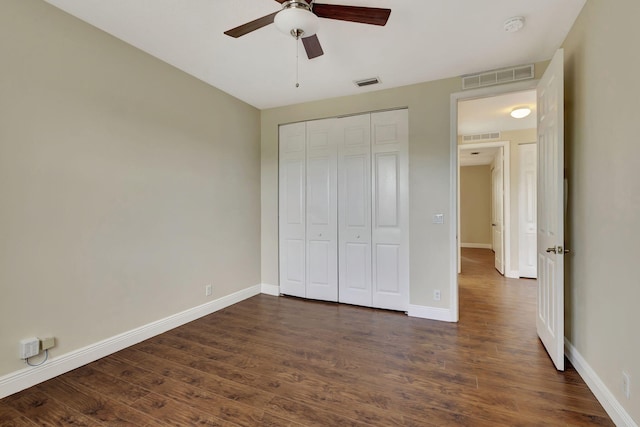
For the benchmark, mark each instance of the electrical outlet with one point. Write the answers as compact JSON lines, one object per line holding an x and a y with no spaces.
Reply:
{"x":436,"y":295}
{"x":208,"y":290}
{"x":626,"y":385}
{"x":47,"y":343}
{"x":29,"y":347}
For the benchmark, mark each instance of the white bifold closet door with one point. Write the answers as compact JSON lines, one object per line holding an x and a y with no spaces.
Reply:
{"x":322,"y":211}
{"x":344,"y":221}
{"x":292,"y":210}
{"x":354,"y":215}
{"x":390,"y":209}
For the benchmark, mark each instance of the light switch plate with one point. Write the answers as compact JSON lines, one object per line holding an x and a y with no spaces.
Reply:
{"x":438,"y":218}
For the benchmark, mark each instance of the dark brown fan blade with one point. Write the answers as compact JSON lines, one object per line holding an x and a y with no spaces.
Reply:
{"x":364,"y":15}
{"x":312,"y":46}
{"x":251,"y":26}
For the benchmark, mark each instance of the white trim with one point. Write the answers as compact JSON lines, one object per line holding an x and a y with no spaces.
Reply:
{"x":433,"y":313}
{"x":27,"y":377}
{"x":268,"y":289}
{"x":453,"y":190}
{"x":454,"y":195}
{"x":476,"y":245}
{"x":608,"y":401}
{"x":512,"y":274}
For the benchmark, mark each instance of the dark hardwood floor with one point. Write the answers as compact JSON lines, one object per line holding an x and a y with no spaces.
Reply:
{"x":271,"y":361}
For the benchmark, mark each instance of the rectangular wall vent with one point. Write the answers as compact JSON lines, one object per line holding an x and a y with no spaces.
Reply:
{"x":480,"y":136}
{"x":367,"y":82}
{"x":497,"y":77}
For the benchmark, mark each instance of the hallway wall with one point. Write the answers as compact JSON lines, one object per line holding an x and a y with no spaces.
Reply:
{"x":475,"y":205}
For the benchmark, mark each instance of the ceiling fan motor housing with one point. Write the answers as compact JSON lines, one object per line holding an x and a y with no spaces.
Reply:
{"x":297,"y":19}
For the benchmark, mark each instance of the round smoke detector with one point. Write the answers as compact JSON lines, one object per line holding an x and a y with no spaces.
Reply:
{"x":514,"y":24}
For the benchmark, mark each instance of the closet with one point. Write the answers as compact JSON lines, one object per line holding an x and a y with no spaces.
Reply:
{"x":343,"y":210}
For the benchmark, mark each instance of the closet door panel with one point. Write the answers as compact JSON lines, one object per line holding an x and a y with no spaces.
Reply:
{"x":354,"y":201}
{"x":390,"y":213}
{"x":321,"y":207}
{"x":388,"y":269}
{"x":292,"y":209}
{"x":387,"y":192}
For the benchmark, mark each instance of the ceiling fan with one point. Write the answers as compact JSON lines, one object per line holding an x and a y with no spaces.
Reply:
{"x":299,"y":18}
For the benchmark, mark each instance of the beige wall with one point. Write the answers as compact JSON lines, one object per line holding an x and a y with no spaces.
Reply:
{"x":125,"y":185}
{"x":603,"y":169}
{"x":429,"y":176}
{"x":475,"y":204}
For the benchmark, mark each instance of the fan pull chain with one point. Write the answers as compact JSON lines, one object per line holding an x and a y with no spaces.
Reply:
{"x":297,"y":62}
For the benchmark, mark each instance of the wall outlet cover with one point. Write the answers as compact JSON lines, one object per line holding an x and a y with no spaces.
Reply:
{"x":29,"y":347}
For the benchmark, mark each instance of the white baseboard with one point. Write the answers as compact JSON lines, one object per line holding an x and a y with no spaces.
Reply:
{"x":27,"y":377}
{"x":433,"y":313}
{"x":476,"y":245}
{"x":512,"y":274}
{"x":268,"y":289}
{"x":608,"y":401}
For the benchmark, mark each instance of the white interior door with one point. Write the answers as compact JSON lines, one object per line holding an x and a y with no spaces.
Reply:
{"x":550,"y":309}
{"x":292,"y":209}
{"x":354,"y":213}
{"x":497,"y":210}
{"x":322,"y":211}
{"x":390,"y":209}
{"x":527,"y":253}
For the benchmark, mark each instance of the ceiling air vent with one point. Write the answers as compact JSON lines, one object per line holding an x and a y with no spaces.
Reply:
{"x":480,"y":136}
{"x":367,"y":82}
{"x":497,"y":77}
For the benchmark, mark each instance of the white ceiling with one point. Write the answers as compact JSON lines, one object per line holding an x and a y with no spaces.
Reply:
{"x":482,"y":156}
{"x":493,"y":113}
{"x":424,"y":40}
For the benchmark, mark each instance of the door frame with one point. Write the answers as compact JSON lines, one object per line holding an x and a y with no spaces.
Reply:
{"x":454,"y":239}
{"x":506,"y":199}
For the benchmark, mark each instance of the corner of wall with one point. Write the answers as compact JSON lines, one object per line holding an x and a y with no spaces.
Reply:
{"x":268,"y":289}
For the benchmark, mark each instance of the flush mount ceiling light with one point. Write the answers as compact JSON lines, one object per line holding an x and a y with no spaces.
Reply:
{"x":520,"y":112}
{"x":296,"y":19}
{"x":514,"y":24}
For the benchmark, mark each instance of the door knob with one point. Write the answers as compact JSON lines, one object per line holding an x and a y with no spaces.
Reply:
{"x":558,"y":250}
{"x":358,"y":236}
{"x":494,"y":225}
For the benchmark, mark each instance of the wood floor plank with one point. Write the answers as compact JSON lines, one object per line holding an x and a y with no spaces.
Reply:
{"x":171,"y":412}
{"x":281,"y":361}
{"x":43,"y":410}
{"x":10,"y":417}
{"x":95,"y":405}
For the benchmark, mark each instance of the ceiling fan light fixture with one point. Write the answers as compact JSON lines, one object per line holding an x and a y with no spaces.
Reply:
{"x":520,"y":112}
{"x":296,"y":19}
